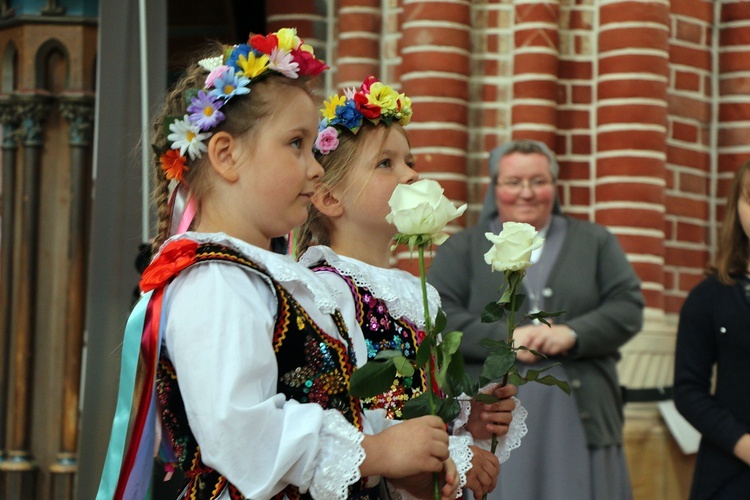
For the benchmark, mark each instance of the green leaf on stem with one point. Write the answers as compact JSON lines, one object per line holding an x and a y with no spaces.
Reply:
{"x":519,"y":300}
{"x":424,"y":351}
{"x":451,"y":342}
{"x":404,"y":366}
{"x":496,"y":365}
{"x":387,"y":354}
{"x":493,"y":312}
{"x":460,"y":382}
{"x":505,"y":297}
{"x":516,"y":379}
{"x":487,"y":398}
{"x":446,"y":351}
{"x":448,"y":409}
{"x":514,"y":278}
{"x":494,"y":345}
{"x":417,"y":407}
{"x":550,"y":380}
{"x":541,"y":315}
{"x":532,"y":351}
{"x":440,"y":321}
{"x":373,"y":378}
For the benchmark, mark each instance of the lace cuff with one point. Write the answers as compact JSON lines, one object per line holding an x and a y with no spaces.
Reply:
{"x":512,"y":440}
{"x":458,"y":446}
{"x":459,"y":424}
{"x":339,"y":458}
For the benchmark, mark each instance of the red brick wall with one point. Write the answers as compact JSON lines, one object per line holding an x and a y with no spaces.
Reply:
{"x":645,"y":107}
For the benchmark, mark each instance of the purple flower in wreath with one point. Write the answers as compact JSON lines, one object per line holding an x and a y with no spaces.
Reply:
{"x":204,"y":110}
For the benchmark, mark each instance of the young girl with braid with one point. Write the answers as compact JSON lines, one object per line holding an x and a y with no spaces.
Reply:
{"x":365,"y":153}
{"x":238,"y":352}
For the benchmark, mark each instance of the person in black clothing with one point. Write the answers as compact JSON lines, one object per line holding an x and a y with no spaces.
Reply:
{"x":714,"y":329}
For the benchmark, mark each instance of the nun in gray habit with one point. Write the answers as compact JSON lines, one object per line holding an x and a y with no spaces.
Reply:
{"x":573,"y":449}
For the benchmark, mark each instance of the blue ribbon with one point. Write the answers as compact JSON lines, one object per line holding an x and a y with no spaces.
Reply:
{"x":131,"y":348}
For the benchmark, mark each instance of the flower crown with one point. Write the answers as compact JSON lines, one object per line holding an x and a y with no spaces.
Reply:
{"x":230,"y":75}
{"x":374,"y":101}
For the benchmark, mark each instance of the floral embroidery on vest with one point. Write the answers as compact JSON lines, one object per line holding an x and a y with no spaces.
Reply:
{"x":383,"y":332}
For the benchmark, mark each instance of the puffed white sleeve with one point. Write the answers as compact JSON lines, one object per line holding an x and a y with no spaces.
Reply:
{"x":218,"y":326}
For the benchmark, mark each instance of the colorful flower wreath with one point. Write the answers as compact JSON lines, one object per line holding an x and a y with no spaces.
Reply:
{"x":230,"y":75}
{"x":374,"y":101}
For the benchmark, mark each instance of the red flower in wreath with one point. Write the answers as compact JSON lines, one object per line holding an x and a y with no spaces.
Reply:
{"x":173,"y":164}
{"x":265,"y":44}
{"x":174,"y":257}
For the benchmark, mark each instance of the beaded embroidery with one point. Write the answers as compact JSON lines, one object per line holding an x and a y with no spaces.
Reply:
{"x":383,"y":332}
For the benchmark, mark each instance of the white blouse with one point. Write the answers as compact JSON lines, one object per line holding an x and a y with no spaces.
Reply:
{"x":218,"y":320}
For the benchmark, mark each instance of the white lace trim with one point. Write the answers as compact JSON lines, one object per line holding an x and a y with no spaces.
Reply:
{"x":463,"y":416}
{"x":282,"y":267}
{"x":516,"y":431}
{"x":458,"y":446}
{"x":505,"y":444}
{"x":338,"y":468}
{"x":400,"y":290}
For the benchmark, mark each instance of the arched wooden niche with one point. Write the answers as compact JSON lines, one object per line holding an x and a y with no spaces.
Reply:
{"x":52,"y":70}
{"x":10,"y":68}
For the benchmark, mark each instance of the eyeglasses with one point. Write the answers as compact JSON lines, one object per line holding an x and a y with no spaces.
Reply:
{"x":514,"y":185}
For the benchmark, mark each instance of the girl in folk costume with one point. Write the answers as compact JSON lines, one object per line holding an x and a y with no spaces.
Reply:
{"x":365,"y":153}
{"x":244,"y":358}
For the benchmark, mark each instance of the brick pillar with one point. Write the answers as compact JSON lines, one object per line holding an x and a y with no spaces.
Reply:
{"x":435,"y":74}
{"x":302,"y":15}
{"x":359,"y":37}
{"x":535,"y":65}
{"x":734,"y":100}
{"x":690,"y":150}
{"x":631,"y":134}
{"x":490,"y":91}
{"x":435,"y":68}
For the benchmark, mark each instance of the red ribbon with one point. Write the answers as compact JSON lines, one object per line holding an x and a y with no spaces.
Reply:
{"x":174,"y":257}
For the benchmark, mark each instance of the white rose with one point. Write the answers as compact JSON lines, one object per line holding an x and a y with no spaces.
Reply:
{"x":511,"y":249}
{"x":421,"y":209}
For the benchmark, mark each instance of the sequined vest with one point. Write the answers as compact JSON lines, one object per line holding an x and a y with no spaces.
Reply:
{"x":384,"y":332}
{"x":313,"y":367}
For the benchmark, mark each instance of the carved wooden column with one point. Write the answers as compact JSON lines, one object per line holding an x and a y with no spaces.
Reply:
{"x":19,"y":466}
{"x":9,"y":120}
{"x":78,"y":110}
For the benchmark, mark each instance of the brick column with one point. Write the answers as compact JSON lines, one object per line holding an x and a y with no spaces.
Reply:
{"x":631,"y":134}
{"x":359,"y":38}
{"x":734,"y":100}
{"x":435,"y":74}
{"x":535,"y":65}
{"x":436,"y":50}
{"x":690,"y":150}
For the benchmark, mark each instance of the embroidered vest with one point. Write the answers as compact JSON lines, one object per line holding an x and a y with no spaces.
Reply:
{"x":313,"y":367}
{"x":384,"y":332}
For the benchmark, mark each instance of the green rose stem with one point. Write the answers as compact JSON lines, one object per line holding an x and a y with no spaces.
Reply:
{"x":431,"y":366}
{"x":510,"y":321}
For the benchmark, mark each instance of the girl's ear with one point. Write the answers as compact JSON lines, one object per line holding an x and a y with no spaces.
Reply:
{"x":325,"y":201}
{"x":222,"y":154}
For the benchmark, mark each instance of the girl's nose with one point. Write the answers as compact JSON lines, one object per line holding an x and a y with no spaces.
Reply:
{"x":411,"y":177}
{"x":316,"y":170}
